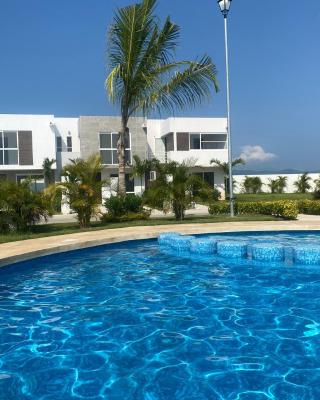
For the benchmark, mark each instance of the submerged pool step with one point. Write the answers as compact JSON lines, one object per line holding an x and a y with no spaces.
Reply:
{"x":263,"y":252}
{"x":232,"y":249}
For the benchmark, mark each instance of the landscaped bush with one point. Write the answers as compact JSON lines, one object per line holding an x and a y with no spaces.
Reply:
{"x":284,"y":209}
{"x":20,"y":208}
{"x":311,"y":207}
{"x":124,"y":208}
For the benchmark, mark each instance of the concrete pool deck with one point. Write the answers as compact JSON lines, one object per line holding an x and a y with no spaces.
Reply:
{"x":13,"y":252}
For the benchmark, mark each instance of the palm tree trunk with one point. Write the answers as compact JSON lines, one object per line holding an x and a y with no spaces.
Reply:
{"x":121,"y":160}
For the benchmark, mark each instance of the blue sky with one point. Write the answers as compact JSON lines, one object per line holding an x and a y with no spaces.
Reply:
{"x":54,"y":62}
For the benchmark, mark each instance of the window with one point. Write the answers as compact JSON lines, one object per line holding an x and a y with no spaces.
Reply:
{"x":208,"y":141}
{"x":9,"y":148}
{"x":207,"y":177}
{"x":108,"y":148}
{"x":195,"y":141}
{"x":36,"y":181}
{"x":129,"y":182}
{"x":59,"y":144}
{"x":211,"y":141}
{"x":69,"y":144}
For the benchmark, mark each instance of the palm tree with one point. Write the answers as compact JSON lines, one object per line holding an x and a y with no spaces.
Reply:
{"x":281,"y":183}
{"x":224,"y":166}
{"x":143,"y":74}
{"x":48,"y":172}
{"x":175,"y":189}
{"x":302,"y":184}
{"x":81,"y":187}
{"x":140,"y":168}
{"x":273,"y":185}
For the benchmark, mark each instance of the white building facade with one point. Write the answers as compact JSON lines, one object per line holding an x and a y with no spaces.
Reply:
{"x":27,"y":140}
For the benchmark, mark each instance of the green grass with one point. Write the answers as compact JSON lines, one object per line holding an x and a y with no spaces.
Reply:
{"x":273,"y":197}
{"x":39,"y":231}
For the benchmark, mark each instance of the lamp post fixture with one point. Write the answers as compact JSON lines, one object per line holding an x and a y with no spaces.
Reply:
{"x":225,"y":7}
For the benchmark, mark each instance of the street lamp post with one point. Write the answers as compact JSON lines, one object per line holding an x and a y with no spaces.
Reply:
{"x":225,"y":7}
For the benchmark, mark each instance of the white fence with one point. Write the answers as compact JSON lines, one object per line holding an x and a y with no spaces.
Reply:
{"x":291,"y":178}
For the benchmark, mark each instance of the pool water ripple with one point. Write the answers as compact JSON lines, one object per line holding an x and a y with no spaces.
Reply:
{"x":130,"y":322}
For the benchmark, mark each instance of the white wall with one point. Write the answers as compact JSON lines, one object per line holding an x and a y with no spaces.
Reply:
{"x":159,"y":128}
{"x":291,"y":178}
{"x":43,"y":139}
{"x":68,"y":127}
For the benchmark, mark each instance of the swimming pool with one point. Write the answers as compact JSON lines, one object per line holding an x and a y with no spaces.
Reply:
{"x":129,"y":321}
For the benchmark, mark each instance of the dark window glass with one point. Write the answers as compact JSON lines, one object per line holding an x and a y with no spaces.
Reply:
{"x":129,"y":184}
{"x":195,"y":141}
{"x":10,"y":140}
{"x":105,"y":140}
{"x":59,"y":144}
{"x":114,"y":140}
{"x":1,"y":144}
{"x":114,"y":157}
{"x":106,"y":156}
{"x":127,"y":155}
{"x":3,"y":177}
{"x":213,"y":145}
{"x":11,"y":157}
{"x":209,"y":137}
{"x":1,"y":157}
{"x":69,"y":144}
{"x":209,"y":178}
{"x":169,"y":143}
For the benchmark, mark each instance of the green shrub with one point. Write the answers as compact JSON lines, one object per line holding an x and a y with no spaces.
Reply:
{"x":284,"y":209}
{"x":118,"y":206}
{"x":144,"y":215}
{"x":311,"y":207}
{"x":20,"y":208}
{"x":316,"y":195}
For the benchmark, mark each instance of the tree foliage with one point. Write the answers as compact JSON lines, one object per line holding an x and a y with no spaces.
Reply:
{"x":302,"y":184}
{"x":175,"y":189}
{"x":82,"y":188}
{"x":143,"y":74}
{"x":20,"y":207}
{"x":252,"y":184}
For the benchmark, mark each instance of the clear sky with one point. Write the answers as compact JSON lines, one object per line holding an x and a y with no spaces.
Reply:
{"x":53,"y":61}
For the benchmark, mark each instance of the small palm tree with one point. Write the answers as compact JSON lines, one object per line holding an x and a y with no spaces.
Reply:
{"x":302,"y":184}
{"x":176,"y":189}
{"x":281,"y":183}
{"x":273,"y":185}
{"x":143,"y":73}
{"x":224,"y":166}
{"x":252,"y":184}
{"x":140,"y":168}
{"x":81,"y":187}
{"x":48,"y":172}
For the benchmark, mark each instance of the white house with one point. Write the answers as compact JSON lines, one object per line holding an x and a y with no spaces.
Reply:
{"x":26,"y":140}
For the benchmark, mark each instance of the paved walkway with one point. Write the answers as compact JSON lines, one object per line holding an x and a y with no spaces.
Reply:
{"x":27,"y":249}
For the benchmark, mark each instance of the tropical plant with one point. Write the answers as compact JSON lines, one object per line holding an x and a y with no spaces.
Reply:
{"x":20,"y":207}
{"x":302,"y":183}
{"x":140,"y":168}
{"x":176,"y":189}
{"x":281,"y":183}
{"x":143,"y":73}
{"x":273,"y":185}
{"x":252,"y":184}
{"x":224,"y":166}
{"x":277,"y":185}
{"x":316,"y":193}
{"x":48,"y":172}
{"x":81,"y":187}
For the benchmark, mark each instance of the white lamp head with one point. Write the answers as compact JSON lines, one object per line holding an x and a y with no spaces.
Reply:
{"x":224,"y":6}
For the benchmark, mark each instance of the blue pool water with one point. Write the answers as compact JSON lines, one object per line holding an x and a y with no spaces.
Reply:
{"x":131,"y":322}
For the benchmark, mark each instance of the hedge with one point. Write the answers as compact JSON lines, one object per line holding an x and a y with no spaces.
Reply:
{"x":286,"y":209}
{"x":311,"y":207}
